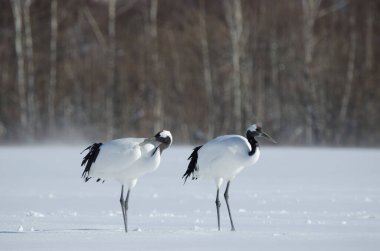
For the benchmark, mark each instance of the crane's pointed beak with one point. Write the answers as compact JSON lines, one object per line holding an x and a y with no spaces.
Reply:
{"x":263,"y":134}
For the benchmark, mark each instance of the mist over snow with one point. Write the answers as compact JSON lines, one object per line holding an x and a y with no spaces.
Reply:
{"x":292,"y":199}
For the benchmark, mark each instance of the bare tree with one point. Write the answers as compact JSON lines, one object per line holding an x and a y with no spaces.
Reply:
{"x":235,"y":24}
{"x":314,"y":97}
{"x":95,"y":27}
{"x":369,"y":39}
{"x":207,"y":70}
{"x":111,"y":69}
{"x":31,"y":93}
{"x":158,"y":105}
{"x":248,"y":41}
{"x":310,"y":10}
{"x":350,"y":78}
{"x":310,"y":76}
{"x":260,"y":78}
{"x":51,"y":90}
{"x":17,"y":15}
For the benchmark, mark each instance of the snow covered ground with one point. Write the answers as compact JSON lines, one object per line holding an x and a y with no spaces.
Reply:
{"x":293,"y":199}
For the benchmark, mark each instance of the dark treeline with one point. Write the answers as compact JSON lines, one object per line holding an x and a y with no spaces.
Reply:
{"x":308,"y":70}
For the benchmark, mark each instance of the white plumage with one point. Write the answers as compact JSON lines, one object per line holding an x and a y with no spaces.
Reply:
{"x":225,"y":156}
{"x":125,"y":160}
{"x":222,"y":158}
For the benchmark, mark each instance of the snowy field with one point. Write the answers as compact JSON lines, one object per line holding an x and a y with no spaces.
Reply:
{"x":292,"y":199}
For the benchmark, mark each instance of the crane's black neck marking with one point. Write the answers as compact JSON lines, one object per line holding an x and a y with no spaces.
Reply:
{"x":254,"y":144}
{"x":162,"y":147}
{"x":155,"y":150}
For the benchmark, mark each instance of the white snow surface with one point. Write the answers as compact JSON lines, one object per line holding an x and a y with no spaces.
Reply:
{"x":292,"y":199}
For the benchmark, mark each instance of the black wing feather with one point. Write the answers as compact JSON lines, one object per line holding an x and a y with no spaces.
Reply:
{"x":192,"y":169}
{"x":89,"y":159}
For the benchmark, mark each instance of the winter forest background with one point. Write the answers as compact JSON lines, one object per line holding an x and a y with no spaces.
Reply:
{"x":308,"y":70}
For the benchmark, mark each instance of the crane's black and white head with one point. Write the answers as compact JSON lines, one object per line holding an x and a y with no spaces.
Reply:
{"x":161,"y":140}
{"x":256,"y":131}
{"x":164,"y":138}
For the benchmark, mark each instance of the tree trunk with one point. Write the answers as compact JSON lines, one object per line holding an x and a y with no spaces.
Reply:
{"x":235,"y":24}
{"x":275,"y":115}
{"x":260,"y":96}
{"x":95,"y":27}
{"x":207,"y":71}
{"x":350,"y":77}
{"x":111,"y":70}
{"x":32,"y":120}
{"x":157,"y":106}
{"x":53,"y":64}
{"x":309,"y":12}
{"x":369,"y":40}
{"x":247,"y":59}
{"x":23,"y":112}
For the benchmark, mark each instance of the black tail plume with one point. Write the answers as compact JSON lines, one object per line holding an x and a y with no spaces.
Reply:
{"x":89,"y":159}
{"x":192,"y":169}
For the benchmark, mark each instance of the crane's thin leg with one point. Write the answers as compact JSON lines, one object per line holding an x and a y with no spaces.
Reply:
{"x":228,"y":206}
{"x":217,"y":202}
{"x":122,"y":208}
{"x":126,"y":210}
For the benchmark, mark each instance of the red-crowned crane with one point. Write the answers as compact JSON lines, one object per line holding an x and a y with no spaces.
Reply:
{"x":125,"y":160}
{"x":222,"y":158}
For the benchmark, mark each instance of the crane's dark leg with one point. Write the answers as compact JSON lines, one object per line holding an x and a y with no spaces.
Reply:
{"x":126,"y":210}
{"x":122,"y":201}
{"x":228,"y":206}
{"x":217,"y":202}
